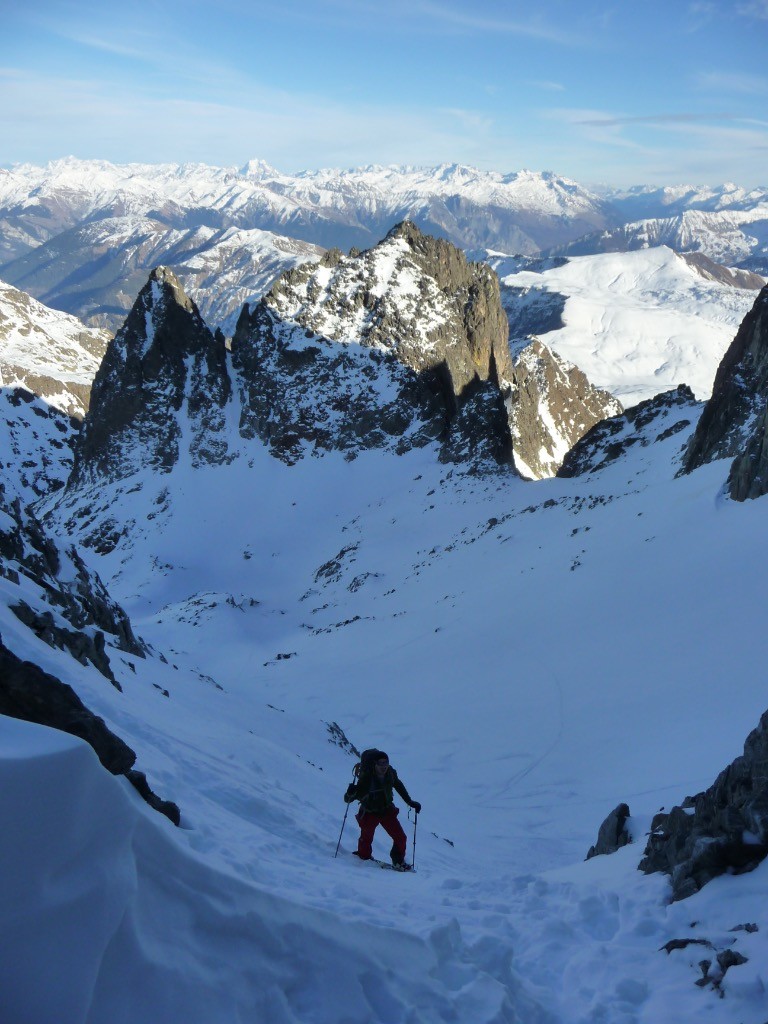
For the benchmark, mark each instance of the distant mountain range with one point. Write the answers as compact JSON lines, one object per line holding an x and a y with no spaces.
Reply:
{"x":82,"y":235}
{"x":254,"y":552}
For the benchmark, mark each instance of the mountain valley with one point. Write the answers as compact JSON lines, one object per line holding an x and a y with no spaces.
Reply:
{"x":501,"y":517}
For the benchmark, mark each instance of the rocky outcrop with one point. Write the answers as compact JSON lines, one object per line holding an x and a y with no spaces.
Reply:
{"x":47,"y":353}
{"x":552,"y":408}
{"x":733,"y":424}
{"x":748,"y":477}
{"x":412,"y":295}
{"x":402,"y":346}
{"x":72,"y":609}
{"x":163,"y":384}
{"x":388,"y":348}
{"x":645,"y":424}
{"x":612,"y":834}
{"x":36,"y":443}
{"x":30,"y":694}
{"x":724,"y":829}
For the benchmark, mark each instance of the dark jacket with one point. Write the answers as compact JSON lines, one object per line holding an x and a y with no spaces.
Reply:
{"x":375,"y":795}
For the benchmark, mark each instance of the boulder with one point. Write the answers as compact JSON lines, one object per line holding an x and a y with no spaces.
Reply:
{"x":722,"y":829}
{"x":612,"y":834}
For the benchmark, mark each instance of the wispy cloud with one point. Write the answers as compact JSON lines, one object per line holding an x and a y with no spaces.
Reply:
{"x":532,"y":28}
{"x":290,"y":130}
{"x":724,"y":81}
{"x":547,"y":86}
{"x":753,"y":8}
{"x":656,"y":119}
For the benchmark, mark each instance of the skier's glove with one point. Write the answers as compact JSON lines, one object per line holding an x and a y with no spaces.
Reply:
{"x":416,"y":806}
{"x":349,"y":796}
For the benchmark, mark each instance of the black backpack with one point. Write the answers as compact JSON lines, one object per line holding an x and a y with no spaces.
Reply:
{"x":367,"y":760}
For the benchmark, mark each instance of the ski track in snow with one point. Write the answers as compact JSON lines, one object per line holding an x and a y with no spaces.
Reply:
{"x":529,"y":654}
{"x":526,"y":665}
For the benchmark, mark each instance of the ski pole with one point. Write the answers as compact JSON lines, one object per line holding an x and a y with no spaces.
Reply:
{"x":413,"y":851}
{"x":344,"y":822}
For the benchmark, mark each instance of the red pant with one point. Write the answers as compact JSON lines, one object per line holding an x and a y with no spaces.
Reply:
{"x":369,"y":822}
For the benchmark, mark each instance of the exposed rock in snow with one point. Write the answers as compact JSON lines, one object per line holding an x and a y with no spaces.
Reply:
{"x":386,"y":347}
{"x":645,"y":424}
{"x":36,"y":441}
{"x":50,"y":354}
{"x":712,"y":271}
{"x":552,"y":407}
{"x":72,"y":609}
{"x":32,"y":695}
{"x":612,"y":834}
{"x":163,"y":384}
{"x":733,"y":424}
{"x":722,"y":829}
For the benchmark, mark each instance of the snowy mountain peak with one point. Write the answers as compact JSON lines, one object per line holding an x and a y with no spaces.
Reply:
{"x":161,"y":386}
{"x":404,"y":333}
{"x":49,"y":353}
{"x":259,"y":170}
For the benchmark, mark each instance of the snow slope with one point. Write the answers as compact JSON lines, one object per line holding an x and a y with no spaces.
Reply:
{"x":47,"y":352}
{"x":637,"y":323}
{"x":528,"y":654}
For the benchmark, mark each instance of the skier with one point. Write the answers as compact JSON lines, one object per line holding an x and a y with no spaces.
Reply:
{"x":373,"y":789}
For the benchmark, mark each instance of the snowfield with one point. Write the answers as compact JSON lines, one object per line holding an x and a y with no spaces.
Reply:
{"x":529,"y":655}
{"x":637,"y":323}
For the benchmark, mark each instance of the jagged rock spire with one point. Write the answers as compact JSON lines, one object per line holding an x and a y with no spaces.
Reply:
{"x":163,"y":383}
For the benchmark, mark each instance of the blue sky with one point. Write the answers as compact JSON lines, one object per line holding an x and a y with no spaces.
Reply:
{"x":614,"y":92}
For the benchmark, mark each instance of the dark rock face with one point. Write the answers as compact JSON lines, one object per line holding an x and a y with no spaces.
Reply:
{"x":645,"y":424}
{"x":723,"y":829}
{"x":75,"y":610}
{"x":748,"y":477}
{"x":29,"y":693}
{"x":399,"y":347}
{"x":390,"y":347}
{"x":553,"y":405}
{"x":612,"y":834}
{"x":164,"y":358}
{"x":300,"y":395}
{"x":733,"y":424}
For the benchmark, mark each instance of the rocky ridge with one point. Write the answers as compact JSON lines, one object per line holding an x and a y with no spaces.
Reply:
{"x":553,"y":407}
{"x":645,"y":424}
{"x":49,"y":353}
{"x":56,"y":595}
{"x":722,"y":829}
{"x":734,"y":423}
{"x":386,"y":346}
{"x":347,"y":371}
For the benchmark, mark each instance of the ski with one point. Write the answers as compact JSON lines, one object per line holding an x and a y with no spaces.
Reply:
{"x":391,"y":867}
{"x":387,"y":866}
